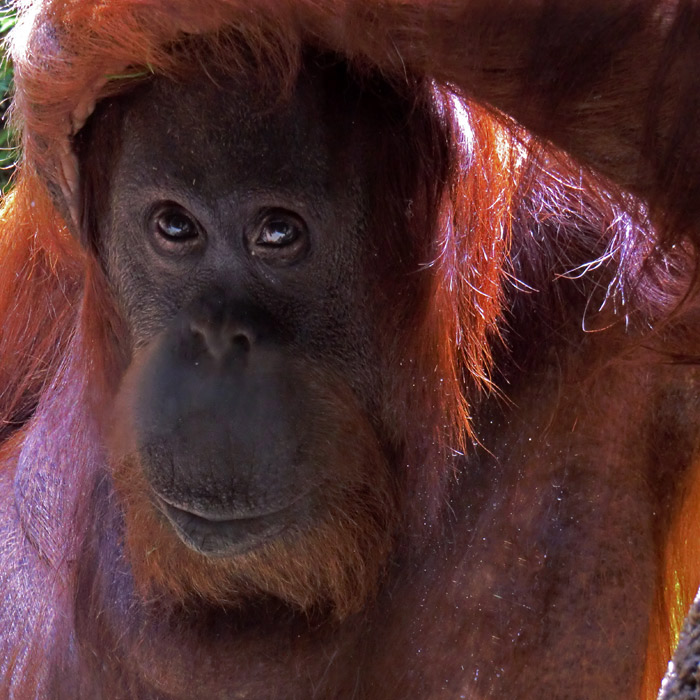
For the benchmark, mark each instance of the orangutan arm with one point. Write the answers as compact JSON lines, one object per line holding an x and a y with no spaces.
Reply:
{"x":616,"y":84}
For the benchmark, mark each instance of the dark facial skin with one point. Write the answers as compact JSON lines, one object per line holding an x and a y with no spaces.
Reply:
{"x":236,"y":244}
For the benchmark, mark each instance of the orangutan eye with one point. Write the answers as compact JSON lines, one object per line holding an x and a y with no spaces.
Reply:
{"x":280,"y":236}
{"x":174,"y":231}
{"x":278,"y":233}
{"x":175,"y":226}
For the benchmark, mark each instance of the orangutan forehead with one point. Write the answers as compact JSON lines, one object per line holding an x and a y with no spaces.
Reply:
{"x":220,"y":135}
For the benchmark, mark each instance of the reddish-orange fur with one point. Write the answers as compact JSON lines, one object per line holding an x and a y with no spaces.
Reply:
{"x":646,"y":146}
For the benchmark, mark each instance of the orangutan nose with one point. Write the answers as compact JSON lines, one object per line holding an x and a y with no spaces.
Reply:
{"x":221,"y":339}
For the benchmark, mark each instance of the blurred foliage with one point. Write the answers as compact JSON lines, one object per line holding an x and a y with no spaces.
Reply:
{"x":8,"y":153}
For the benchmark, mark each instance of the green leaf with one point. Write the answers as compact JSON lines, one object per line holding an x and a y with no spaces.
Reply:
{"x":8,"y":149}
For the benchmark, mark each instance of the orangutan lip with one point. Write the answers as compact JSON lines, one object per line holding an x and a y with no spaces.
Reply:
{"x":221,"y":518}
{"x":225,"y":536}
